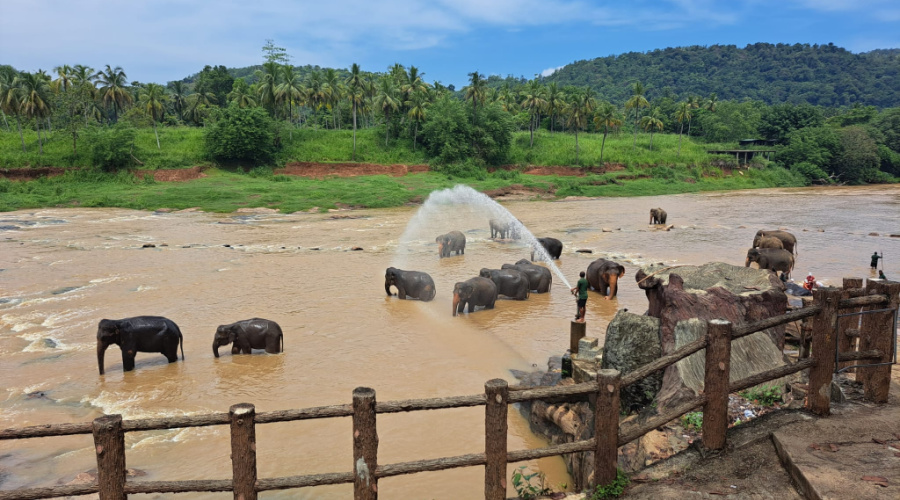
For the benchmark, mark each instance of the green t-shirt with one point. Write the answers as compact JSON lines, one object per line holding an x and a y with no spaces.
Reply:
{"x":582,"y":288}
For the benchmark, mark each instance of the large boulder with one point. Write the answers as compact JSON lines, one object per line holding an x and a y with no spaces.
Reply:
{"x":632,"y":341}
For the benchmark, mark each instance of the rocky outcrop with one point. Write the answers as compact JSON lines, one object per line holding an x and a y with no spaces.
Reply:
{"x":632,"y":341}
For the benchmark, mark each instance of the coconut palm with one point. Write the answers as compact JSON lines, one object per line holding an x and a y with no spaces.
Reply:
{"x":417,"y":104}
{"x":34,"y":101}
{"x":9,"y":99}
{"x":712,"y":103}
{"x":579,"y":107}
{"x":268,"y":86}
{"x":334,"y":94}
{"x":556,"y":102}
{"x":179,"y":96}
{"x":83,"y":82}
{"x":316,"y":93}
{"x":695,"y":103}
{"x":64,"y":80}
{"x":153,"y":99}
{"x":476,"y":91}
{"x":414,"y":83}
{"x":607,"y":116}
{"x":636,"y":102}
{"x":650,"y":122}
{"x":289,"y":91}
{"x":683,"y":113}
{"x":198,"y":104}
{"x":506,"y":97}
{"x":533,"y":100}
{"x":387,"y":100}
{"x":356,"y":94}
{"x":112,"y":89}
{"x":240,"y":94}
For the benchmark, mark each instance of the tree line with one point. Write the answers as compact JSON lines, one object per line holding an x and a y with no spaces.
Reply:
{"x":849,"y":144}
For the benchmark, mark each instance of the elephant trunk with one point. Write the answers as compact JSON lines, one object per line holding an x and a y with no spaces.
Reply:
{"x":613,"y":285}
{"x":455,"y":302}
{"x":747,"y":262}
{"x":216,"y":348}
{"x":101,"y":350}
{"x":387,"y":287}
{"x":441,"y":249}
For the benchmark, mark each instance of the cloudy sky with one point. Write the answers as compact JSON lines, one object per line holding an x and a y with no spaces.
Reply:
{"x":167,"y":40}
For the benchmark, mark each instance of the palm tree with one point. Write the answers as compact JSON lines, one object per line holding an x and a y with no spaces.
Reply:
{"x":507,"y":98}
{"x":9,"y":99}
{"x":418,"y":102}
{"x":153,"y":99}
{"x":290,"y":91}
{"x":356,"y":93}
{"x":240,"y":94}
{"x":112,"y":89}
{"x":712,"y":103}
{"x":334,"y":94}
{"x":268,"y":85}
{"x":650,"y":122}
{"x":636,"y":102}
{"x":316,"y":94}
{"x":683,"y":113}
{"x":34,"y":101}
{"x":580,"y":106}
{"x":198,"y":103}
{"x":533,"y":100}
{"x":556,"y":101}
{"x":694,"y":102}
{"x":476,"y":92}
{"x":64,"y":79}
{"x":387,"y":100}
{"x":179,"y":96}
{"x":607,"y":116}
{"x":414,"y":82}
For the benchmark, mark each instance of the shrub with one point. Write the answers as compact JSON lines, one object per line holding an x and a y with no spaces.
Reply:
{"x":693,"y":420}
{"x":810,"y":171}
{"x":112,"y":148}
{"x":612,"y":490}
{"x":763,"y":395}
{"x":243,"y":135}
{"x":525,"y":488}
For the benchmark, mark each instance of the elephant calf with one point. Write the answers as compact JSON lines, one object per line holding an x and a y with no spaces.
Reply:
{"x":454,"y":241}
{"x":510,"y":282}
{"x":539,"y":277}
{"x":773,"y":259}
{"x":249,"y":334}
{"x":139,"y":334}
{"x":412,"y":284}
{"x":553,"y":247}
{"x":658,"y":216}
{"x":474,"y":292}
{"x":603,"y":276}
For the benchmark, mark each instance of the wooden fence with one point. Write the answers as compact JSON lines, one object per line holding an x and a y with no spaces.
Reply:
{"x":877,"y":344}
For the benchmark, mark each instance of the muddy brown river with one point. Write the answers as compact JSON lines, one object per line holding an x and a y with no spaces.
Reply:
{"x":65,"y":269}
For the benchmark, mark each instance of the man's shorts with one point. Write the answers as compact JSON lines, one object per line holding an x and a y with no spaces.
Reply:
{"x":582,"y":303}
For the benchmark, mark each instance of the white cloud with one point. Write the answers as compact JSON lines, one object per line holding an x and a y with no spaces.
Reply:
{"x":550,"y":71}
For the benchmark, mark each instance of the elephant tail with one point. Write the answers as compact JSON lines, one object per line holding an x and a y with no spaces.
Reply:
{"x":181,"y":343}
{"x":433,"y":293}
{"x":282,"y":342}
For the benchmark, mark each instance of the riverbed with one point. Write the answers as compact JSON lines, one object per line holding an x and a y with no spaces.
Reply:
{"x":62,"y":270}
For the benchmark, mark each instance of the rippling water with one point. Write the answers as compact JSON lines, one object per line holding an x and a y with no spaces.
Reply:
{"x":65,"y":269}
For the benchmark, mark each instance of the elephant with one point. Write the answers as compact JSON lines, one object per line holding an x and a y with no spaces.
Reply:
{"x":412,"y":284}
{"x":454,"y":241}
{"x":476,"y":291}
{"x":603,"y":276}
{"x":499,"y":228}
{"x":249,"y":334}
{"x":773,"y":259}
{"x":510,"y":282}
{"x":658,"y":216}
{"x":539,"y":278}
{"x":552,"y":245}
{"x":770,"y":242}
{"x":788,"y":240}
{"x":139,"y":334}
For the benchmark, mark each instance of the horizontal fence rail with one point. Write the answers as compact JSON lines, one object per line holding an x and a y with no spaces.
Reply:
{"x":108,"y":431}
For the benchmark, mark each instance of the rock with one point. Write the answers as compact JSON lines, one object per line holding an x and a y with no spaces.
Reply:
{"x":895,"y":236}
{"x":606,"y":230}
{"x":65,"y":289}
{"x":820,"y":230}
{"x":163,"y":244}
{"x":49,"y":343}
{"x":227,"y":245}
{"x":315,"y":248}
{"x":356,"y":249}
{"x":873,"y":234}
{"x":313,"y":210}
{"x":148,"y":245}
{"x":632,"y":341}
{"x":257,"y":210}
{"x":584,"y":250}
{"x":588,"y":348}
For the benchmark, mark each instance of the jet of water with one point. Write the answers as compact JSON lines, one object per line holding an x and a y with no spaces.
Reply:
{"x":438,"y":202}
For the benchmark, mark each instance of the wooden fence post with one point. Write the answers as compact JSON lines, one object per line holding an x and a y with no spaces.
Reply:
{"x":496,"y":392}
{"x":823,"y":349}
{"x":243,"y":450}
{"x":847,"y":343}
{"x":109,"y":443}
{"x":365,"y":445}
{"x":805,"y":330}
{"x":577,"y":332}
{"x":715,"y":383}
{"x":877,"y":332}
{"x":606,"y":427}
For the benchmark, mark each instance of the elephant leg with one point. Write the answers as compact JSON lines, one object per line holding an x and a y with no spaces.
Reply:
{"x":235,"y":349}
{"x":401,"y":292}
{"x":272,"y":346}
{"x":127,"y":360}
{"x":471,"y":307}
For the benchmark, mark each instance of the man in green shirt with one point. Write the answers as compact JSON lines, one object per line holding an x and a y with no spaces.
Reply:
{"x":581,"y":293}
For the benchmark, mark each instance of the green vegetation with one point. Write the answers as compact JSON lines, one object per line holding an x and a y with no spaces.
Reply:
{"x":693,"y":420}
{"x":529,"y":486}
{"x":763,"y":395}
{"x":612,"y":490}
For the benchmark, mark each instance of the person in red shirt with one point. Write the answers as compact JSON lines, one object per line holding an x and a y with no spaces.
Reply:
{"x":810,"y":282}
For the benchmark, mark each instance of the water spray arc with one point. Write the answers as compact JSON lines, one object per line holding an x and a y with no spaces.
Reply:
{"x":438,"y":202}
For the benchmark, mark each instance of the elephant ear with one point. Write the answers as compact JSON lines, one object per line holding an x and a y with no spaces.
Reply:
{"x":232,"y":334}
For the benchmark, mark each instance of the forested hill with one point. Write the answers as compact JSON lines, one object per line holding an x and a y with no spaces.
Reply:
{"x":823,"y":75}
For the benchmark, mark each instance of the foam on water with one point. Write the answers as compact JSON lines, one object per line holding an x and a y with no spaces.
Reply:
{"x":439,"y":203}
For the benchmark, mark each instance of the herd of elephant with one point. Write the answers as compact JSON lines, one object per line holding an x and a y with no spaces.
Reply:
{"x":773,"y":250}
{"x":162,"y":335}
{"x":516,"y":281}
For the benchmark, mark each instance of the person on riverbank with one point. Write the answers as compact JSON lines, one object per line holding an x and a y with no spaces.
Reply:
{"x":810,"y":282}
{"x":881,"y":275}
{"x":875,"y":258}
{"x":581,"y":296}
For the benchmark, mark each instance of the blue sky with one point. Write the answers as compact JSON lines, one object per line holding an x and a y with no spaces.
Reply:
{"x":167,"y":40}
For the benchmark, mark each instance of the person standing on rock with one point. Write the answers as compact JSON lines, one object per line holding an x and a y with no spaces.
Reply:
{"x":581,"y":294}
{"x":875,"y":258}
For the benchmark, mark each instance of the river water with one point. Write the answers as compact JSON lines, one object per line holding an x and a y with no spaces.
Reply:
{"x":65,"y":269}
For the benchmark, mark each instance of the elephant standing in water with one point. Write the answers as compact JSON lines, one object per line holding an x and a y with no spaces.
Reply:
{"x":249,"y":334}
{"x":658,"y":216}
{"x":474,"y":292}
{"x":553,"y":247}
{"x":510,"y":282}
{"x":788,"y":240}
{"x":539,"y":278}
{"x":454,"y":241}
{"x":603,"y":276}
{"x":499,"y":228}
{"x":139,"y":334}
{"x":412,"y":284}
{"x":773,"y":259}
{"x":770,"y":242}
